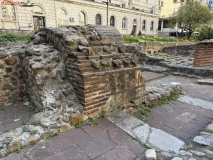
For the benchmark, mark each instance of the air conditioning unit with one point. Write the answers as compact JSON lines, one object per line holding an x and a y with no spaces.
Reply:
{"x":72,"y":19}
{"x":123,"y":5}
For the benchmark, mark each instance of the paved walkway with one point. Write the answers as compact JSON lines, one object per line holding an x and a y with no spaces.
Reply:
{"x":107,"y":142}
{"x":14,"y":115}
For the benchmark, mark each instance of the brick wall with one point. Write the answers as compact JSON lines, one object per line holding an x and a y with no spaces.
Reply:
{"x":204,"y":54}
{"x":102,"y":74}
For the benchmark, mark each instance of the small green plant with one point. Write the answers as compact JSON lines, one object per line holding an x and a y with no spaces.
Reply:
{"x":104,"y":113}
{"x":156,"y":53}
{"x":132,"y":33}
{"x":79,"y":124}
{"x":6,"y":130}
{"x":19,"y":150}
{"x":139,"y":33}
{"x":6,"y":154}
{"x":31,"y":106}
{"x":93,"y":122}
{"x":12,"y":101}
{"x":53,"y":136}
{"x":168,"y":71}
{"x":144,"y":113}
{"x":37,"y":110}
{"x":13,"y":38}
{"x":1,"y":107}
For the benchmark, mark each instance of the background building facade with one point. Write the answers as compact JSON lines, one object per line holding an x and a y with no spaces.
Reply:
{"x":125,"y":15}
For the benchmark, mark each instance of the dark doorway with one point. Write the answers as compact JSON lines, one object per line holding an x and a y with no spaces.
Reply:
{"x":159,"y":25}
{"x":134,"y":30}
{"x":38,"y":22}
{"x":112,"y":21}
{"x":98,"y":19}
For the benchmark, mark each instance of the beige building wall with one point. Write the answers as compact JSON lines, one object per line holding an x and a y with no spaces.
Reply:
{"x":52,"y":11}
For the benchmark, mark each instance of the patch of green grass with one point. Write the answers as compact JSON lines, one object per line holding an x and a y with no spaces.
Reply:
{"x":19,"y":150}
{"x":12,"y":38}
{"x":31,"y":106}
{"x":79,"y":124}
{"x":104,"y":113}
{"x":6,"y":130}
{"x":156,"y":53}
{"x":168,"y":71}
{"x":93,"y":122}
{"x":134,"y":39}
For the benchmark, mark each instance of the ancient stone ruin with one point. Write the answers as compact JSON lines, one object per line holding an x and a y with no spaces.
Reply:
{"x":69,"y":74}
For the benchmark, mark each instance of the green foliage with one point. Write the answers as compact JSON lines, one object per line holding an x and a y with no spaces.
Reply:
{"x":93,"y":122}
{"x":104,"y":113}
{"x":182,"y":35}
{"x":132,"y":32}
{"x":156,"y":53}
{"x":10,"y":37}
{"x":1,"y":107}
{"x":190,"y":17}
{"x":19,"y":150}
{"x":133,"y":39}
{"x":11,"y":101}
{"x":168,"y":71}
{"x":144,"y":113}
{"x":79,"y":124}
{"x":139,"y":33}
{"x":53,"y":136}
{"x":31,"y":106}
{"x":206,"y":33}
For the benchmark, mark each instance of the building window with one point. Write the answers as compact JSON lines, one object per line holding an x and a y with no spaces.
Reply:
{"x":152,"y":26}
{"x":162,"y":3}
{"x":124,"y":23}
{"x":143,"y":25}
{"x":165,"y":24}
{"x":134,"y":21}
{"x":98,"y":19}
{"x":129,"y":3}
{"x":62,"y":17}
{"x":182,"y":1}
{"x":147,"y":1}
{"x":175,"y":1}
{"x":4,"y":11}
{"x":8,"y":12}
{"x":82,"y":19}
{"x":112,"y":21}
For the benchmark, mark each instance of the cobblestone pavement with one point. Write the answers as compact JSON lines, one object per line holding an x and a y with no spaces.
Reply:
{"x":181,"y":119}
{"x":14,"y":115}
{"x":107,"y":142}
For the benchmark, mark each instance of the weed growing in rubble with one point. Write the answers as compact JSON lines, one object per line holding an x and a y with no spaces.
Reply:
{"x":79,"y":124}
{"x":1,"y":107}
{"x":31,"y":106}
{"x":104,"y":113}
{"x":144,"y":114}
{"x":12,"y":101}
{"x":19,"y":150}
{"x":93,"y":122}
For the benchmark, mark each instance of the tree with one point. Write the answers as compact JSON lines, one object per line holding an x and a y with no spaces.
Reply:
{"x":190,"y":17}
{"x":205,"y":33}
{"x":139,"y":33}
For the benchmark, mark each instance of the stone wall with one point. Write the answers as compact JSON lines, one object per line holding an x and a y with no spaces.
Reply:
{"x":204,"y":54}
{"x":184,"y":49}
{"x":11,"y":79}
{"x":168,"y":47}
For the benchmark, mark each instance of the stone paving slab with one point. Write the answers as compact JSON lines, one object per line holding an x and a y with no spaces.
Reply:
{"x":14,"y":115}
{"x":152,"y":76}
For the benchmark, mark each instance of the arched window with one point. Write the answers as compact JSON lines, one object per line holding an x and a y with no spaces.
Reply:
{"x":82,"y":19}
{"x":98,"y":19}
{"x":124,"y":23}
{"x":8,"y":11}
{"x":112,"y":21}
{"x":62,"y":20}
{"x":152,"y":26}
{"x":143,"y":25}
{"x":134,"y":21}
